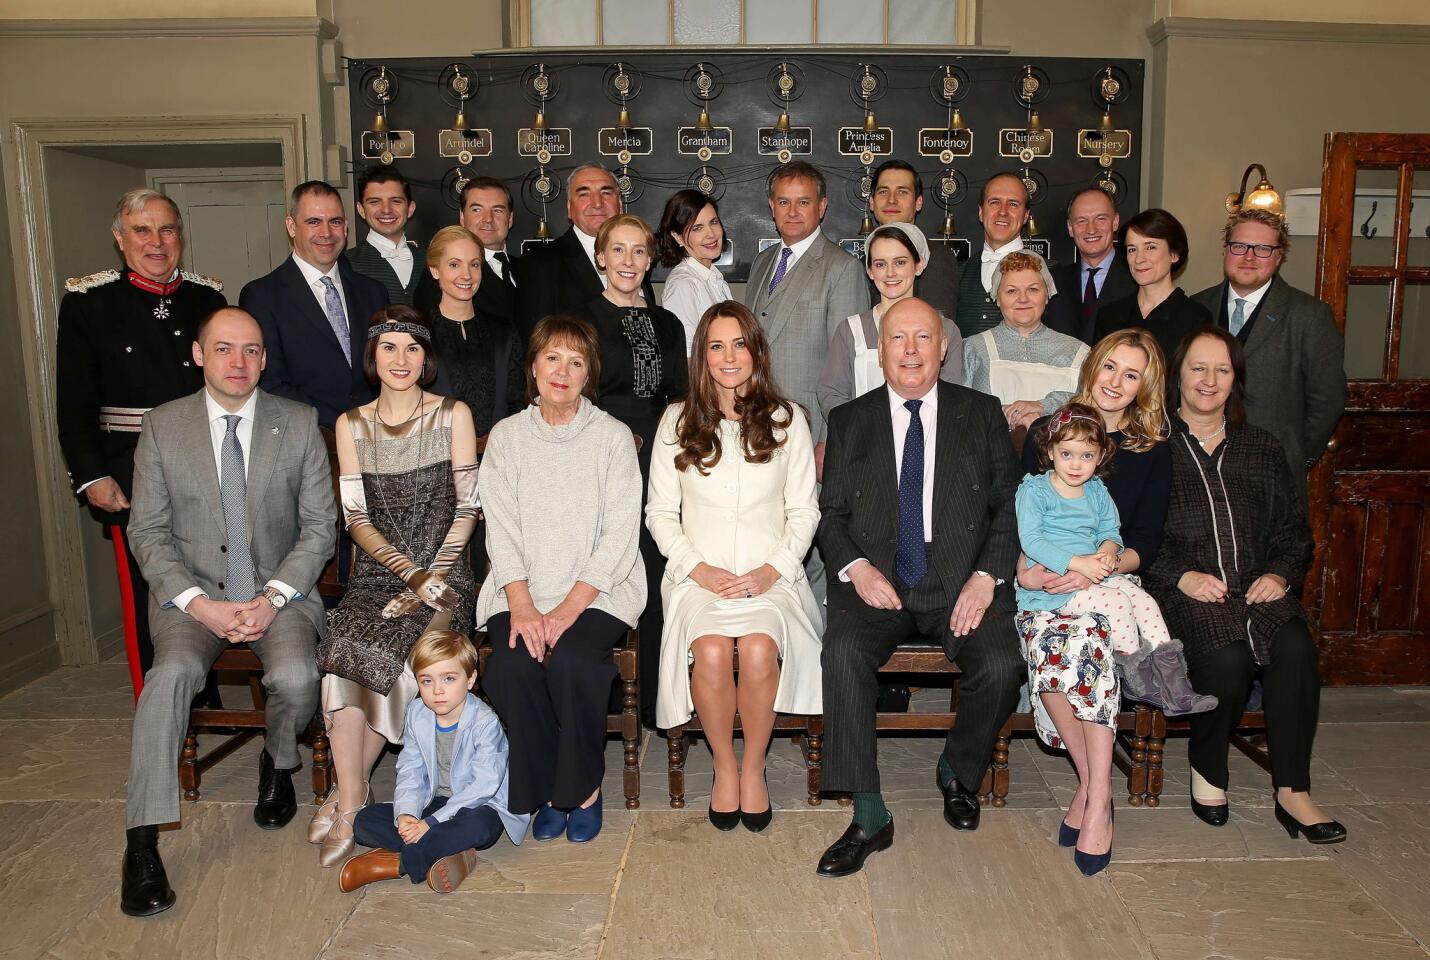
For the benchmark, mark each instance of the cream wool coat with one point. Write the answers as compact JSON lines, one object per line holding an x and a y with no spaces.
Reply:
{"x":739,"y":516}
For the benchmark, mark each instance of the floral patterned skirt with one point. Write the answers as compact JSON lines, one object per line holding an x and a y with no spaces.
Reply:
{"x":1071,"y":655}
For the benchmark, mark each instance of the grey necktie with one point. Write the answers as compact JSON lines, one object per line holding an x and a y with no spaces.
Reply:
{"x":337,"y":319}
{"x":1238,"y":317}
{"x":233,"y":492}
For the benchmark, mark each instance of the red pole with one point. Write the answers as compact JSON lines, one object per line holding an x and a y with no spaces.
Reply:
{"x":126,"y":599}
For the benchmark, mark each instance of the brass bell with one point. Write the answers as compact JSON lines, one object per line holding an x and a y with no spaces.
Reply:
{"x":870,"y":124}
{"x":1104,"y":127}
{"x":543,"y":232}
{"x":1035,"y":123}
{"x":704,"y":122}
{"x":957,"y":122}
{"x":948,"y":224}
{"x":866,"y":226}
{"x":782,"y":124}
{"x":461,"y":122}
{"x":379,"y":123}
{"x":1032,"y":226}
{"x":540,"y":122}
{"x":624,"y":119}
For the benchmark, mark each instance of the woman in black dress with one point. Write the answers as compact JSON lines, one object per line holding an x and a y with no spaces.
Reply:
{"x":481,"y":360}
{"x":1236,"y":546}
{"x":1156,"y":247}
{"x":643,"y":370}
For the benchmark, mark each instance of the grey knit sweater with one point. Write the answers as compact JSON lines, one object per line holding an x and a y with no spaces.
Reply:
{"x":562,"y":504}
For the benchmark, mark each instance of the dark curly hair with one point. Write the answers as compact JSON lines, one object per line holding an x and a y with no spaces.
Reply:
{"x":697,"y":430}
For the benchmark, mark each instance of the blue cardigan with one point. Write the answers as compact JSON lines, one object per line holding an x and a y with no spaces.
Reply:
{"x":1053,"y":529}
{"x":479,"y":767}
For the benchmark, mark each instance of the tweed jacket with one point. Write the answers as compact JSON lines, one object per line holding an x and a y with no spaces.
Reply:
{"x":366,"y":260}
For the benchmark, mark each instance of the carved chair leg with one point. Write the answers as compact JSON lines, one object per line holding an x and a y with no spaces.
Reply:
{"x":1156,"y":745}
{"x":1136,"y":744}
{"x":813,"y":758}
{"x":630,"y":742}
{"x":322,"y":762}
{"x":1000,"y":766}
{"x":189,"y":776}
{"x":675,"y":768}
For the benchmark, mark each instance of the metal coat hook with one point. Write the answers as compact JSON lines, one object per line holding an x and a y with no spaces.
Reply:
{"x":1366,"y":230}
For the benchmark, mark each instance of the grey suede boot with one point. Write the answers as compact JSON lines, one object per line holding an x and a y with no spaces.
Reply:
{"x":1139,"y":681}
{"x":1169,"y":669}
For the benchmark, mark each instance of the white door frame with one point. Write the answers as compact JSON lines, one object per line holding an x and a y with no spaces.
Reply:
{"x":37,"y":290}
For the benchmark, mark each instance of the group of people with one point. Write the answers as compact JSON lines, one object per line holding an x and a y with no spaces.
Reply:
{"x":777,"y":493}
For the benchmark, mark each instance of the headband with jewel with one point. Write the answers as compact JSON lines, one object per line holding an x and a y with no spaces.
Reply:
{"x":414,"y":330}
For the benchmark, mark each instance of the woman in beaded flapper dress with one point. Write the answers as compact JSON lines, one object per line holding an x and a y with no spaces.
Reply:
{"x":409,"y":494}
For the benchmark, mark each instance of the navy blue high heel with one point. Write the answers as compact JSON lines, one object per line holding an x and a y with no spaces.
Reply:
{"x":1092,"y":864}
{"x":1067,"y":836}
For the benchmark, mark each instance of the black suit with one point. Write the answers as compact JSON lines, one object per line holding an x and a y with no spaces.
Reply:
{"x":305,"y":361}
{"x":557,"y":277}
{"x":1064,"y":313}
{"x":974,"y":528}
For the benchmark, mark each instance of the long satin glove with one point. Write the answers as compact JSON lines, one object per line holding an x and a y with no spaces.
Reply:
{"x":464,"y":522}
{"x":426,"y":585}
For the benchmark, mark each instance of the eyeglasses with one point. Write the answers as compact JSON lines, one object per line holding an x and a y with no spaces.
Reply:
{"x":1262,"y":250}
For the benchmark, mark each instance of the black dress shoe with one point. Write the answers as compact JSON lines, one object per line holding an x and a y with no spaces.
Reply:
{"x":893,"y":698}
{"x":1330,"y":831}
{"x":144,"y":886}
{"x":847,"y":854}
{"x":1212,"y":814}
{"x":961,"y":809}
{"x":276,"y":800}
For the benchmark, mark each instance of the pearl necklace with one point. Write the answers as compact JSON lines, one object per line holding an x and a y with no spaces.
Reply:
{"x":1209,"y":437}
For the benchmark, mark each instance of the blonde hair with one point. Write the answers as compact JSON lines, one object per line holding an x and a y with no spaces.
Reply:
{"x":1265,"y":218}
{"x":439,"y":645}
{"x":447,"y":236}
{"x":1145,"y":423}
{"x":603,"y":235}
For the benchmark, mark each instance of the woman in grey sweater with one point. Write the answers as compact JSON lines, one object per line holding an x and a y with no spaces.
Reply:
{"x":561,"y":493}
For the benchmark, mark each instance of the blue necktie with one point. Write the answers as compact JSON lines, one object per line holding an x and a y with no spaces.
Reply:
{"x":337,"y":317}
{"x":780,"y":269}
{"x":1238,"y":316}
{"x":911,"y":554}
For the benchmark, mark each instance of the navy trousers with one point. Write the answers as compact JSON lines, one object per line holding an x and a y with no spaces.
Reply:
{"x":472,"y":827}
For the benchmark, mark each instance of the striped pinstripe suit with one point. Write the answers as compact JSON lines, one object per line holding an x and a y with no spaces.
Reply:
{"x":974,"y":528}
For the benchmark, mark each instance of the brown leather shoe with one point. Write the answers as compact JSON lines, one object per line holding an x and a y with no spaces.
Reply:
{"x":367,"y":868}
{"x":448,"y":873}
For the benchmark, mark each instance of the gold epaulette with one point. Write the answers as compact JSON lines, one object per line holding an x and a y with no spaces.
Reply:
{"x":83,"y":284}
{"x":213,"y":283}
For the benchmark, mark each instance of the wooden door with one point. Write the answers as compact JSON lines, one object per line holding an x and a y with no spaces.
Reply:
{"x":233,"y":221}
{"x":1370,"y":496}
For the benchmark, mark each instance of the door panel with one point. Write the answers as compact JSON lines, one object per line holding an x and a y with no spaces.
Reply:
{"x":1370,"y":580}
{"x":229,"y":220}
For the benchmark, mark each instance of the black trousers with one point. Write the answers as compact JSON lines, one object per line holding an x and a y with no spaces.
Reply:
{"x":1291,"y":698}
{"x":856,"y":645}
{"x":652,"y":624}
{"x":473,"y":828}
{"x":554,"y":711}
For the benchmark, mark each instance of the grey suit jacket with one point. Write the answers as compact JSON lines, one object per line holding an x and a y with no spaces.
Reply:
{"x":824,"y":288}
{"x":176,"y":527}
{"x":1295,"y":369}
{"x":975,"y":478}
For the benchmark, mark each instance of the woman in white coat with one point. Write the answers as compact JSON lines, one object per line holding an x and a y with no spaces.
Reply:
{"x":732,"y":506}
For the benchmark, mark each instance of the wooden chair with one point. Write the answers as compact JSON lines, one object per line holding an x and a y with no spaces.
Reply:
{"x":250,"y":723}
{"x":1249,"y":737}
{"x":808,"y":731}
{"x":626,"y":722}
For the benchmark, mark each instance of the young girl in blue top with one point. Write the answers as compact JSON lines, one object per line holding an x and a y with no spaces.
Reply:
{"x":1067,"y":521}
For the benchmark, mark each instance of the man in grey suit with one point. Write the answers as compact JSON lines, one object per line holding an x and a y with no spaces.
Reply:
{"x":918,"y":530}
{"x":233,"y":521}
{"x":1295,"y":355}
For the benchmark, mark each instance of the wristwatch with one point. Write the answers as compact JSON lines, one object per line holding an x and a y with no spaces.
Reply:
{"x":274,"y":596}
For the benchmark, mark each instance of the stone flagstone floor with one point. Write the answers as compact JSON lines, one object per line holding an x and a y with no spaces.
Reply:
{"x":662,"y":883}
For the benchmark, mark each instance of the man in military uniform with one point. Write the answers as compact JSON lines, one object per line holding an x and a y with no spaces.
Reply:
{"x":125,"y":345}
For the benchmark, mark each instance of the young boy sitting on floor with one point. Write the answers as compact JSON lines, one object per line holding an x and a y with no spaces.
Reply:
{"x":450,"y":799}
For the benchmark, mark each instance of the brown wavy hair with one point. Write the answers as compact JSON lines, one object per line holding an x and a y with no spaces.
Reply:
{"x":1075,"y":421}
{"x":1145,"y":424}
{"x":697,"y":430}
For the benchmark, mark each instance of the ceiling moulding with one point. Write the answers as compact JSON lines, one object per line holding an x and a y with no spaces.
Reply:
{"x":193,"y":27}
{"x":1219,"y":29}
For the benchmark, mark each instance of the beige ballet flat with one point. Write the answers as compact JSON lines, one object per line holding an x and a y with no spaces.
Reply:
{"x":322,"y":821}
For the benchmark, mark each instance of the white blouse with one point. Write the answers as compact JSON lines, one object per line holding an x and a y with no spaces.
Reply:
{"x":689,"y":291}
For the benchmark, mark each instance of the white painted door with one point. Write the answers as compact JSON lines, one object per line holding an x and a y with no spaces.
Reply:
{"x":233,"y":221}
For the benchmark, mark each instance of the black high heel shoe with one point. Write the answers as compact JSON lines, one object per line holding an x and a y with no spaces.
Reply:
{"x":1329,"y":831}
{"x":1212,"y":814}
{"x":725,"y":819}
{"x":756,"y":822}
{"x":1091,"y":864}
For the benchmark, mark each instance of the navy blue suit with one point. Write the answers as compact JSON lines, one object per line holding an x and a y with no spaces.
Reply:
{"x":305,"y":360}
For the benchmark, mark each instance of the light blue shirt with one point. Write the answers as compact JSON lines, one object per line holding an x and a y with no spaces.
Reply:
{"x":479,"y":767}
{"x":1099,"y":273}
{"x":1053,"y":529}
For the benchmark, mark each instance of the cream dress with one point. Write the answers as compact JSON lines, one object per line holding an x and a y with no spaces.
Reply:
{"x":739,"y":516}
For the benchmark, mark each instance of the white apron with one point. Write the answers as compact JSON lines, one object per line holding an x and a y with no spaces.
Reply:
{"x":1014,"y":380}
{"x":868,"y":373}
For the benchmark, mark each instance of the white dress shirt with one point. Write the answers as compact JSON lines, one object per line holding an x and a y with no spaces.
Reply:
{"x":218,"y":429}
{"x":398,"y":255}
{"x":991,"y":258}
{"x":589,"y":245}
{"x":690,"y":290}
{"x":1253,"y":299}
{"x":796,"y":251}
{"x":314,"y":277}
{"x":495,"y":264}
{"x":928,"y":416}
